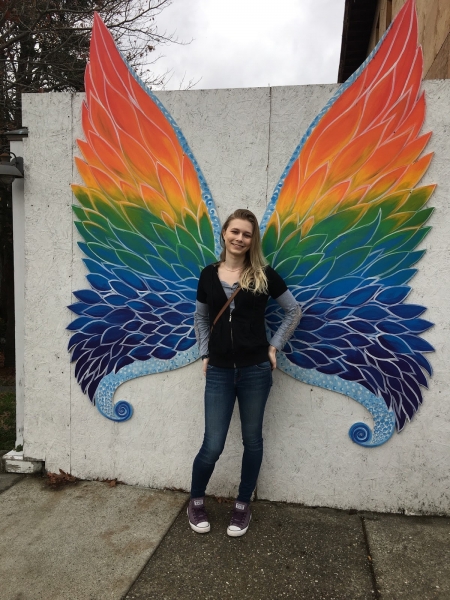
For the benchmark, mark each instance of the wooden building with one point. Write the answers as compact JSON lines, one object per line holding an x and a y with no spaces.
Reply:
{"x":365,"y":22}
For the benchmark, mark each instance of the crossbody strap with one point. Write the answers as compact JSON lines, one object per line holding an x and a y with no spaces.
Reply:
{"x":225,"y":306}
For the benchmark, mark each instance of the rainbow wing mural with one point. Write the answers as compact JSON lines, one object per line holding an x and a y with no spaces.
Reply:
{"x":149,"y":225}
{"x":342,"y":228}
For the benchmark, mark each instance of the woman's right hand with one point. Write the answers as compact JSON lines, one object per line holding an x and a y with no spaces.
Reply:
{"x":205,"y":365}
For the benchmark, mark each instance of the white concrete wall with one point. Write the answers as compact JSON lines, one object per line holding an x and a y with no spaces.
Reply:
{"x":19,"y":289}
{"x":242,"y":140}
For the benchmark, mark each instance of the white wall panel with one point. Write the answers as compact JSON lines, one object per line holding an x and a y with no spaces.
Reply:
{"x":48,"y":261}
{"x":242,"y":140}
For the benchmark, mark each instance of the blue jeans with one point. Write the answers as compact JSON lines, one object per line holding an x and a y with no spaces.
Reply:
{"x":251,"y":386}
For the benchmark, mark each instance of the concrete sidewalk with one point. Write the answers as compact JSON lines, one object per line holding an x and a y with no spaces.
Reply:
{"x":90,"y":541}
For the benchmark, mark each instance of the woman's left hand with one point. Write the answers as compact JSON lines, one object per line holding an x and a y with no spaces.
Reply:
{"x":205,"y":362}
{"x":273,"y":357}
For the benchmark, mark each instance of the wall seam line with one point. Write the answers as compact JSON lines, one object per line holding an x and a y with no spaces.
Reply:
{"x":268,"y":143}
{"x":71,"y":281}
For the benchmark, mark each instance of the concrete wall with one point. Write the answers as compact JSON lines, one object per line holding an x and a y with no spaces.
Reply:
{"x":242,"y":139}
{"x":434,"y":32}
{"x":19,"y":287}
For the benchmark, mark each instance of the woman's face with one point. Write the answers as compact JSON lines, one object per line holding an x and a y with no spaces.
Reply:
{"x":238,"y":237}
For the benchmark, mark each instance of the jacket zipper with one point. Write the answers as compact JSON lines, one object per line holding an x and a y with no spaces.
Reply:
{"x":232,"y":341}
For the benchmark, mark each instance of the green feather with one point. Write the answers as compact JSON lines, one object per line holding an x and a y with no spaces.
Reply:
{"x":270,"y":240}
{"x":189,"y":243}
{"x":288,"y":248}
{"x":206,"y":231}
{"x":166,"y":236}
{"x":82,"y":196}
{"x":191,"y":226}
{"x":418,"y":198}
{"x":105,"y":209}
{"x":134,"y":242}
{"x":420,"y":218}
{"x":84,"y":232}
{"x":135,"y":262}
{"x":167,"y":254}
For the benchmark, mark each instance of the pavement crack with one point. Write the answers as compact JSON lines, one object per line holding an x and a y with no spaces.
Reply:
{"x":376,"y":591}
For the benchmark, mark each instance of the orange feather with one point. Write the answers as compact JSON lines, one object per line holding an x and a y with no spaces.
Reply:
{"x":367,"y":142}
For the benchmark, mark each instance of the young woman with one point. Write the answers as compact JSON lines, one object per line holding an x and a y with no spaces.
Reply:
{"x":237,"y":358}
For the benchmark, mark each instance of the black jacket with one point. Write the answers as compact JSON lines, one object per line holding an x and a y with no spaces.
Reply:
{"x":238,"y":339}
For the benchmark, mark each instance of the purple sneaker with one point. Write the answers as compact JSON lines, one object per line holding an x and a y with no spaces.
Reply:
{"x":198,"y":519}
{"x":240,"y":519}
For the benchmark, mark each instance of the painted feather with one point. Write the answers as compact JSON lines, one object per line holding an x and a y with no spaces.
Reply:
{"x":343,"y":229}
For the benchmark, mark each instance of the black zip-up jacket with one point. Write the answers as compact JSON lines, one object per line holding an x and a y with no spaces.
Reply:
{"x":239,"y":336}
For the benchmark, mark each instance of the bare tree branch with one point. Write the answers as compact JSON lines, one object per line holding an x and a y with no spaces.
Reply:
{"x":44,"y":46}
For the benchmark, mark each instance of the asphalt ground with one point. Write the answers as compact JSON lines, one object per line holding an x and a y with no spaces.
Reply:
{"x":92,"y":541}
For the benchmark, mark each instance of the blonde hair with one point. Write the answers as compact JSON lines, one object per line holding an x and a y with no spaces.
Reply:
{"x":253,"y":277}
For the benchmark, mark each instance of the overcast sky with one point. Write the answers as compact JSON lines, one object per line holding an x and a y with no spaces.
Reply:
{"x":252,"y":43}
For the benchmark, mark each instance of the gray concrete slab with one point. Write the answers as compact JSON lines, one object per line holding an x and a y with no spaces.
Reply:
{"x":289,"y":552}
{"x":86,"y":542}
{"x":411,"y":556}
{"x":7,"y":480}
